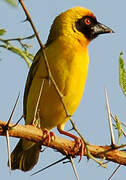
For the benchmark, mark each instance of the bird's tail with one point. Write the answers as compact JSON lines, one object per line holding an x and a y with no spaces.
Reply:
{"x":25,"y":155}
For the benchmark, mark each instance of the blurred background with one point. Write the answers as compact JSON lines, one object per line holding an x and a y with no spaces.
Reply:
{"x":91,"y":115}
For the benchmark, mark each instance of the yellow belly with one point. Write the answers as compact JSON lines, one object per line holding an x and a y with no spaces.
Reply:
{"x":69,"y":73}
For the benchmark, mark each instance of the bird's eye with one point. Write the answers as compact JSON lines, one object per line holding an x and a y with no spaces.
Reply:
{"x":87,"y":21}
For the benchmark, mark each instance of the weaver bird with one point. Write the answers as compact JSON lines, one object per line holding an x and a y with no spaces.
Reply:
{"x":67,"y":54}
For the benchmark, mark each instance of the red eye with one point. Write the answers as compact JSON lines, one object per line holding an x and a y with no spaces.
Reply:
{"x":87,"y":21}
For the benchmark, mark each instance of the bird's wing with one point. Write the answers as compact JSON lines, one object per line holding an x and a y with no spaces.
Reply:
{"x":30,"y":77}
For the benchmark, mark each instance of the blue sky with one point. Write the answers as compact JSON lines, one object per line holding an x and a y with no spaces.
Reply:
{"x":91,"y":115}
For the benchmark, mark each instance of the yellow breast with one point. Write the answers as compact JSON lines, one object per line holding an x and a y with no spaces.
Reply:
{"x":69,"y":67}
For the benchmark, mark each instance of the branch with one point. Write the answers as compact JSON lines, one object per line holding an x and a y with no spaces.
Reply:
{"x":23,"y":51}
{"x":63,"y":145}
{"x":18,"y":51}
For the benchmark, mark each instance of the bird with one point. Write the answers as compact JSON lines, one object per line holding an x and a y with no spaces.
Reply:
{"x":66,"y":50}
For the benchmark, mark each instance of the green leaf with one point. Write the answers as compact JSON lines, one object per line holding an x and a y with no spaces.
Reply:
{"x":17,"y":51}
{"x":119,"y":128}
{"x":2,"y":32}
{"x":12,"y":2}
{"x":122,"y":74}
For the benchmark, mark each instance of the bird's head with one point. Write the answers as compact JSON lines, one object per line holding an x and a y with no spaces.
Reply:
{"x":78,"y":23}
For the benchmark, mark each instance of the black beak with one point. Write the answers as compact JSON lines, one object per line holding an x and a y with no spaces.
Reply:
{"x":93,"y":29}
{"x":99,"y":28}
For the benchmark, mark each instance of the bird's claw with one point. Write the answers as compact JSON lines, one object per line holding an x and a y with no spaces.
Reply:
{"x":79,"y":144}
{"x":48,"y":136}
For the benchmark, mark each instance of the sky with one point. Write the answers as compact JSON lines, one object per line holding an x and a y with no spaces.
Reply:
{"x":91,"y":115}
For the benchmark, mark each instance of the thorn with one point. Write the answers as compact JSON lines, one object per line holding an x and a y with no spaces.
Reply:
{"x":50,"y":165}
{"x":38,"y":100}
{"x":65,"y":162}
{"x":23,"y":21}
{"x":13,"y":109}
{"x":74,"y":168}
{"x":109,"y":120}
{"x":8,"y":148}
{"x":114,"y":171}
{"x":71,"y":129}
{"x":17,"y":122}
{"x":5,"y":129}
{"x":7,"y":125}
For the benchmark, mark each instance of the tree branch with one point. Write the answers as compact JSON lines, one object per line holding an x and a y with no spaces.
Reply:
{"x":63,"y":145}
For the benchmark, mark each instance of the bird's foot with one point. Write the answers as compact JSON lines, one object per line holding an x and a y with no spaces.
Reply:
{"x":48,"y":136}
{"x":79,"y":144}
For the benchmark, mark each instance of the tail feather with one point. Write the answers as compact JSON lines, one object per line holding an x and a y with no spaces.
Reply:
{"x":25,"y":159}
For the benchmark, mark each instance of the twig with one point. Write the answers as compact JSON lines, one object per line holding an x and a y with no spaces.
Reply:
{"x":7,"y":41}
{"x":18,"y":39}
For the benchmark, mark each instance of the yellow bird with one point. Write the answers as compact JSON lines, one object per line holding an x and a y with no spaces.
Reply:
{"x":67,"y":54}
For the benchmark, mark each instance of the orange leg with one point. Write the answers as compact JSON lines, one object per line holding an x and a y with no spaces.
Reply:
{"x":78,"y":141}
